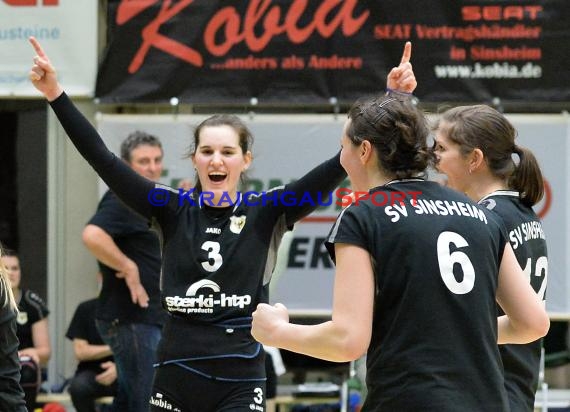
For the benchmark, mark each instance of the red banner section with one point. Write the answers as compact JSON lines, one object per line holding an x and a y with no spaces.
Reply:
{"x":305,"y":52}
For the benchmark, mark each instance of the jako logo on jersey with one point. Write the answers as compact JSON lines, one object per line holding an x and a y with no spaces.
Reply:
{"x":213,"y":230}
{"x":202,"y":303}
{"x":157,"y":400}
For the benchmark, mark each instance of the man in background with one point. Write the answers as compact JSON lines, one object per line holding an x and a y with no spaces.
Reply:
{"x":129,"y":315}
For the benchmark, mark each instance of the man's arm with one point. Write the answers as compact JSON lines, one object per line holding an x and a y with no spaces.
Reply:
{"x":104,"y":248}
{"x":84,"y":351}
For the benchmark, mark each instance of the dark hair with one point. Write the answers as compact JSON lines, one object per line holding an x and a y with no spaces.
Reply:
{"x":9,"y":252}
{"x":136,"y":139}
{"x":484,"y":128}
{"x":245,"y":138}
{"x":397,"y":129}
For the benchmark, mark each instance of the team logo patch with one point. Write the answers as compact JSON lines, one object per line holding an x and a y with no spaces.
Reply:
{"x":237,"y":223}
{"x":22,"y":318}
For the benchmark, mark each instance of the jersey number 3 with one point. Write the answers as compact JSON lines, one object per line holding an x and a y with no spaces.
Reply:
{"x":214,"y":258}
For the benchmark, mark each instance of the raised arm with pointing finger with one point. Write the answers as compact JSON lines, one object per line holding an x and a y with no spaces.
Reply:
{"x":43,"y":74}
{"x":401,"y":78}
{"x":128,"y":309}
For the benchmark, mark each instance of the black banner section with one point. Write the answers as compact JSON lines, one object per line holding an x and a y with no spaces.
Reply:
{"x":308,"y":51}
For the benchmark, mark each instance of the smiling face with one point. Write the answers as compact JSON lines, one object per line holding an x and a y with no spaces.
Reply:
{"x":451,"y":161}
{"x":220,"y":161}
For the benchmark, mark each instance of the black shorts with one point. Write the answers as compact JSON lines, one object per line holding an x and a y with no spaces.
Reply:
{"x":177,"y":389}
{"x":271,"y":382}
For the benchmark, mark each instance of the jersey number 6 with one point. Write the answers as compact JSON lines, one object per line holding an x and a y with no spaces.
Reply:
{"x":448,"y":259}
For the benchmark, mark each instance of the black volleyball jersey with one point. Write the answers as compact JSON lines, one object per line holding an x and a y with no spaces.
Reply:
{"x":31,"y":309}
{"x":522,"y":362}
{"x":216,"y":262}
{"x":435,"y":258}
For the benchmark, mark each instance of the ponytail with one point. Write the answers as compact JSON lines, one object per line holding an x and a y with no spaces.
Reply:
{"x":527,"y":177}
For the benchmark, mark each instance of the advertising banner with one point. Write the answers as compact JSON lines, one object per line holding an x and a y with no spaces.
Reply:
{"x":307,"y":52}
{"x":67,"y":29}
